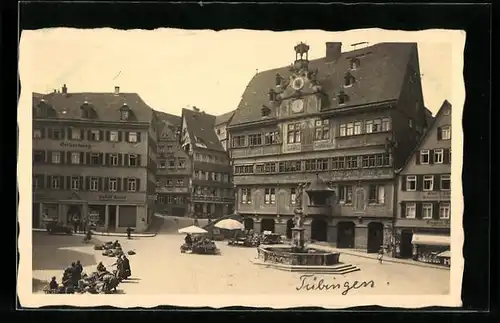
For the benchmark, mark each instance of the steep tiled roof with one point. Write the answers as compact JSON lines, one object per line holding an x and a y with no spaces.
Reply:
{"x":429,"y":119}
{"x":224,"y":118}
{"x":430,"y":129}
{"x":200,"y":127}
{"x":379,"y":78}
{"x":170,"y":118}
{"x":106,"y":105}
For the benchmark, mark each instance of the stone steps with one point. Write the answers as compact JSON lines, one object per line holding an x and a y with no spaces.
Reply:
{"x":340,"y":269}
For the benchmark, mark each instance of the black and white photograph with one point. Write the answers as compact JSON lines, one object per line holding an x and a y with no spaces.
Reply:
{"x":240,"y":167}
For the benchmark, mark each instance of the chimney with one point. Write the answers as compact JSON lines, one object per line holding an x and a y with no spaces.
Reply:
{"x":64,"y":89}
{"x":333,"y":51}
{"x":117,"y":90}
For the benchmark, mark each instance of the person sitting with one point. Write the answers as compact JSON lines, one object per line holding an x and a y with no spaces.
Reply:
{"x":79,"y":267}
{"x":116,"y":244}
{"x":188,"y":240}
{"x":53,"y":285}
{"x":100,"y":267}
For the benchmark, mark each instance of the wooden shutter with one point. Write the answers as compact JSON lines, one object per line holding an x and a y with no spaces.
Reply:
{"x":63,"y":157}
{"x":138,"y":161}
{"x":82,"y":187}
{"x":403,"y":183}
{"x":82,"y":157}
{"x":437,"y":183}
{"x":70,"y":133}
{"x":68,"y":157}
{"x":439,"y":133}
{"x":119,"y":136}
{"x":120,"y":159}
{"x":126,"y":136}
{"x":82,"y":134}
{"x":101,"y":135}
{"x":138,"y":136}
{"x":41,"y":180}
{"x":100,"y":184}
{"x":66,"y":182}
{"x":435,"y":210}
{"x":403,"y":210}
{"x":106,"y":183}
{"x":119,"y":184}
{"x":62,"y":133}
{"x":107,"y":159}
{"x":49,"y":181}
{"x":101,"y":158}
{"x":126,"y":161}
{"x":417,"y":157}
{"x":89,"y":135}
{"x":418,"y":210}
{"x":49,"y":156}
{"x":42,"y":132}
{"x":138,"y":184}
{"x":49,"y":133}
{"x":446,"y":157}
{"x":420,"y":182}
{"x":431,"y":156}
{"x":125,"y":184}
{"x":87,"y":183}
{"x":108,"y":136}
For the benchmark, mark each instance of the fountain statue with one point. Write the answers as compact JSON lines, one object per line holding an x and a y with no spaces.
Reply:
{"x":298,"y":229}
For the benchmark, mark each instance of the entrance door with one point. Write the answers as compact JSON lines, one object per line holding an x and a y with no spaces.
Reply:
{"x":74,"y":212}
{"x":375,"y":237}
{"x":111,"y":217}
{"x":267,"y":225}
{"x":248,"y":223}
{"x":406,"y":249}
{"x":345,"y":234}
{"x":289,"y":226}
{"x":319,"y":229}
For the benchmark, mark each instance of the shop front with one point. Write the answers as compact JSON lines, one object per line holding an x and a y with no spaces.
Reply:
{"x":431,"y":248}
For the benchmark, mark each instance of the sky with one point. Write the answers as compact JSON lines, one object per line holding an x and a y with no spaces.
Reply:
{"x":172,"y":69}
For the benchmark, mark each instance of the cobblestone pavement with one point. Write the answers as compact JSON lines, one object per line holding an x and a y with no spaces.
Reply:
{"x":160,"y":268}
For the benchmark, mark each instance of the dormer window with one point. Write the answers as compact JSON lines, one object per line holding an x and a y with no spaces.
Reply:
{"x":342,"y":97}
{"x":348,"y":80}
{"x":353,"y":64}
{"x":265,"y":111}
{"x":272,"y":95}
{"x":86,"y":110}
{"x":125,"y":112}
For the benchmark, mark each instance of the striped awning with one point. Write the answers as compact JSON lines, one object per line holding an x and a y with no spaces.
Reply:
{"x":430,"y":239}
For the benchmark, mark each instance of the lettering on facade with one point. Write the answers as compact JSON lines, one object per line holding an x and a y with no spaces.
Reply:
{"x":438,"y":223}
{"x":114,"y":197}
{"x":436,"y":194}
{"x":66,"y":144}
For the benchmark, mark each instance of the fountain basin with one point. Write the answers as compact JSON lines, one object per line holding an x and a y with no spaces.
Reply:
{"x":287,"y":258}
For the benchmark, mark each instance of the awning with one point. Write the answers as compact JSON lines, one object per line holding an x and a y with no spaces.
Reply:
{"x":430,"y":239}
{"x":445,"y":254}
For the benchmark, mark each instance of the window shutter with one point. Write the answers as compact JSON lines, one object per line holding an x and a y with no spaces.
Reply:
{"x":119,"y":136}
{"x":61,"y":182}
{"x":81,"y":183}
{"x":63,"y":157}
{"x":49,"y":156}
{"x":403,"y":210}
{"x":49,"y":181}
{"x":106,"y":183}
{"x":68,"y":157}
{"x":70,"y":133}
{"x":126,"y":136}
{"x":417,"y":157}
{"x":431,"y":156}
{"x":120,"y":159}
{"x":138,"y":160}
{"x":82,"y":134}
{"x":62,"y":134}
{"x":68,"y":183}
{"x":101,"y":135}
{"x":87,"y":183}
{"x":446,"y":157}
{"x":89,"y":135}
{"x":437,"y":183}
{"x":100,"y":182}
{"x":125,"y":184}
{"x":435,"y":210}
{"x":126,"y":161}
{"x":82,"y":157}
{"x":49,"y":133}
{"x":138,"y":136}
{"x":418,"y":210}
{"x":87,"y":158}
{"x":119,"y":183}
{"x":420,"y":182}
{"x":42,"y":180}
{"x":439,"y":133}
{"x":108,"y":136}
{"x":403,"y":183}
{"x":101,"y":158}
{"x":42,"y":131}
{"x":138,"y":184}
{"x":107,"y":160}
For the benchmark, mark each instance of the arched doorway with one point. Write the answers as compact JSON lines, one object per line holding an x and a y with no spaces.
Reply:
{"x":375,"y":236}
{"x":406,"y":248}
{"x":248,"y":223}
{"x":345,"y":234}
{"x":289,"y":226}
{"x":319,"y":229}
{"x":267,"y":225}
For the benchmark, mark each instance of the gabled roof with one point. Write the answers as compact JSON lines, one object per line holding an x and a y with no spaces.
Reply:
{"x":200,"y":127}
{"x":429,"y":119}
{"x":169,"y":118}
{"x":379,"y":78}
{"x":106,"y":105}
{"x":430,"y":129}
{"x":224,"y":118}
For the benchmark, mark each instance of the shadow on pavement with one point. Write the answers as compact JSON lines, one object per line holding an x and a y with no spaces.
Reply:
{"x":43,"y":239}
{"x":59,"y":259}
{"x":37,"y":285}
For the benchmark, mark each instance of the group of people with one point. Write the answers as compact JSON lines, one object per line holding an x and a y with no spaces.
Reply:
{"x":71,"y":276}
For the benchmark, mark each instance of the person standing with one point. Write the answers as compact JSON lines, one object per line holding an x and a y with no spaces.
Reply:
{"x":129,"y":233}
{"x":380,"y":254}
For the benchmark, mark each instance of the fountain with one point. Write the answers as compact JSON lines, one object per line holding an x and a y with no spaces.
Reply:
{"x":297,"y":256}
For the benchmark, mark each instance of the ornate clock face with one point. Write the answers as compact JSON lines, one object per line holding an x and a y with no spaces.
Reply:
{"x":298,"y":83}
{"x":297,"y":106}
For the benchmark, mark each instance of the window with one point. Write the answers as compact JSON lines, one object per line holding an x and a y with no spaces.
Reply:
{"x":271,"y":138}
{"x":133,"y":160}
{"x":369,"y":160}
{"x":75,"y":183}
{"x":353,"y":63}
{"x":243,"y":169}
{"x":411,"y":210}
{"x":322,"y":129}
{"x":180,"y":182}
{"x":410,"y":123}
{"x":132,"y":137}
{"x":39,"y":156}
{"x":197,"y":156}
{"x":293,"y":195}
{"x":75,"y":134}
{"x":95,"y":135}
{"x":239,"y":141}
{"x":56,"y":134}
{"x":131,"y":185}
{"x":255,"y":140}
{"x":446,"y":133}
{"x":294,"y":134}
{"x":290,"y":166}
{"x":438,"y":156}
{"x":75,"y":158}
{"x":369,"y":126}
{"x":171,"y":163}
{"x":376,"y":194}
{"x":113,"y":184}
{"x":218,"y":131}
{"x":125,"y":114}
{"x":316,"y":164}
{"x":56,"y":182}
{"x":350,"y":129}
{"x":357,"y":128}
{"x":225,"y":178}
{"x":386,"y":124}
{"x":94,"y":158}
{"x":345,"y":194}
{"x":181,"y":163}
{"x":270,"y":167}
{"x":377,"y":125}
{"x":424,"y":156}
{"x":427,"y":211}
{"x":411,"y":183}
{"x":352,"y":162}
{"x":428,"y":182}
{"x":342,"y":130}
{"x":444,"y":211}
{"x":445,"y":183}
{"x":246,"y":196}
{"x":338,"y":162}
{"x":56,"y":157}
{"x":163,"y":164}
{"x":113,"y":136}
{"x":269,"y":196}
{"x":170,"y":182}
{"x":113,"y":159}
{"x":94,"y":184}
{"x":37,"y":133}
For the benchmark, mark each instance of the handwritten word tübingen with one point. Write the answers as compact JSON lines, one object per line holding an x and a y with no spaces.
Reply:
{"x":311,"y":283}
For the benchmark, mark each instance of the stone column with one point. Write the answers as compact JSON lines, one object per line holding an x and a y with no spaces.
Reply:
{"x":106,"y":216}
{"x":117,"y":216}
